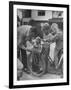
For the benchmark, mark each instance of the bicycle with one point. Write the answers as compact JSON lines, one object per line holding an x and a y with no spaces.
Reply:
{"x":38,"y":59}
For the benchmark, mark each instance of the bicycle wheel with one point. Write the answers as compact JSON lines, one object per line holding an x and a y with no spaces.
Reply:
{"x":60,"y":63}
{"x":36,"y":64}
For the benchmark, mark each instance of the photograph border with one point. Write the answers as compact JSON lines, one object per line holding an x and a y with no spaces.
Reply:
{"x":11,"y":4}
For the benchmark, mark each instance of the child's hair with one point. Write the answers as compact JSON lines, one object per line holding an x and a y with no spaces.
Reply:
{"x":38,"y":40}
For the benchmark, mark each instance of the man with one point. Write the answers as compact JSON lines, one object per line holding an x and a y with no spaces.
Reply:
{"x":19,"y":69}
{"x":58,"y":38}
{"x":22,"y":36}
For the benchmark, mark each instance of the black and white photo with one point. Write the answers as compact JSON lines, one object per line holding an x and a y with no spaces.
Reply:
{"x":39,"y":44}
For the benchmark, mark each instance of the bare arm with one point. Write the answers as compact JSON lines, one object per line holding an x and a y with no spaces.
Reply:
{"x":53,"y":38}
{"x":31,"y":50}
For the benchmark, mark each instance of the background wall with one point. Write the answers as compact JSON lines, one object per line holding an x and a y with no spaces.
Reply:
{"x":4,"y":44}
{"x":48,"y":15}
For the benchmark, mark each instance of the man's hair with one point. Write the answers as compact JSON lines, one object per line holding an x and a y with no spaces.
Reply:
{"x":35,"y":32}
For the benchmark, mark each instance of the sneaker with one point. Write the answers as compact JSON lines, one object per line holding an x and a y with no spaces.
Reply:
{"x":27,"y":71}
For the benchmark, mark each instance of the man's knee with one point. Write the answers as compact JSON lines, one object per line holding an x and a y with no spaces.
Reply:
{"x":19,"y":64}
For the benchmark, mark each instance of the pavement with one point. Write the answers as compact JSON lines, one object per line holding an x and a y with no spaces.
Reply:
{"x":51,"y":73}
{"x":26,"y":76}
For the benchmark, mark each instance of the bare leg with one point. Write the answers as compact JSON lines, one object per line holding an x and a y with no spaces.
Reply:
{"x":56,"y":57}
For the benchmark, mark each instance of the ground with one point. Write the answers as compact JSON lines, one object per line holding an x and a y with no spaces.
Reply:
{"x":45,"y":76}
{"x":51,"y":73}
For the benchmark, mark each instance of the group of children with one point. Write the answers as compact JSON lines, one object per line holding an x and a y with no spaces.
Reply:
{"x":51,"y":34}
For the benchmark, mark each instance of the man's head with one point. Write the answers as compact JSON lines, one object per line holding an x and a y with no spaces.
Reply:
{"x":46,"y":28}
{"x":54,"y":28}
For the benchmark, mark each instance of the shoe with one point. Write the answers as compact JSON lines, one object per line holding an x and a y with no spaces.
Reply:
{"x":26,"y":70}
{"x":39,"y":72}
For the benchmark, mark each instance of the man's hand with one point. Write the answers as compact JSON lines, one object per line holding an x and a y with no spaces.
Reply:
{"x":23,"y":47}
